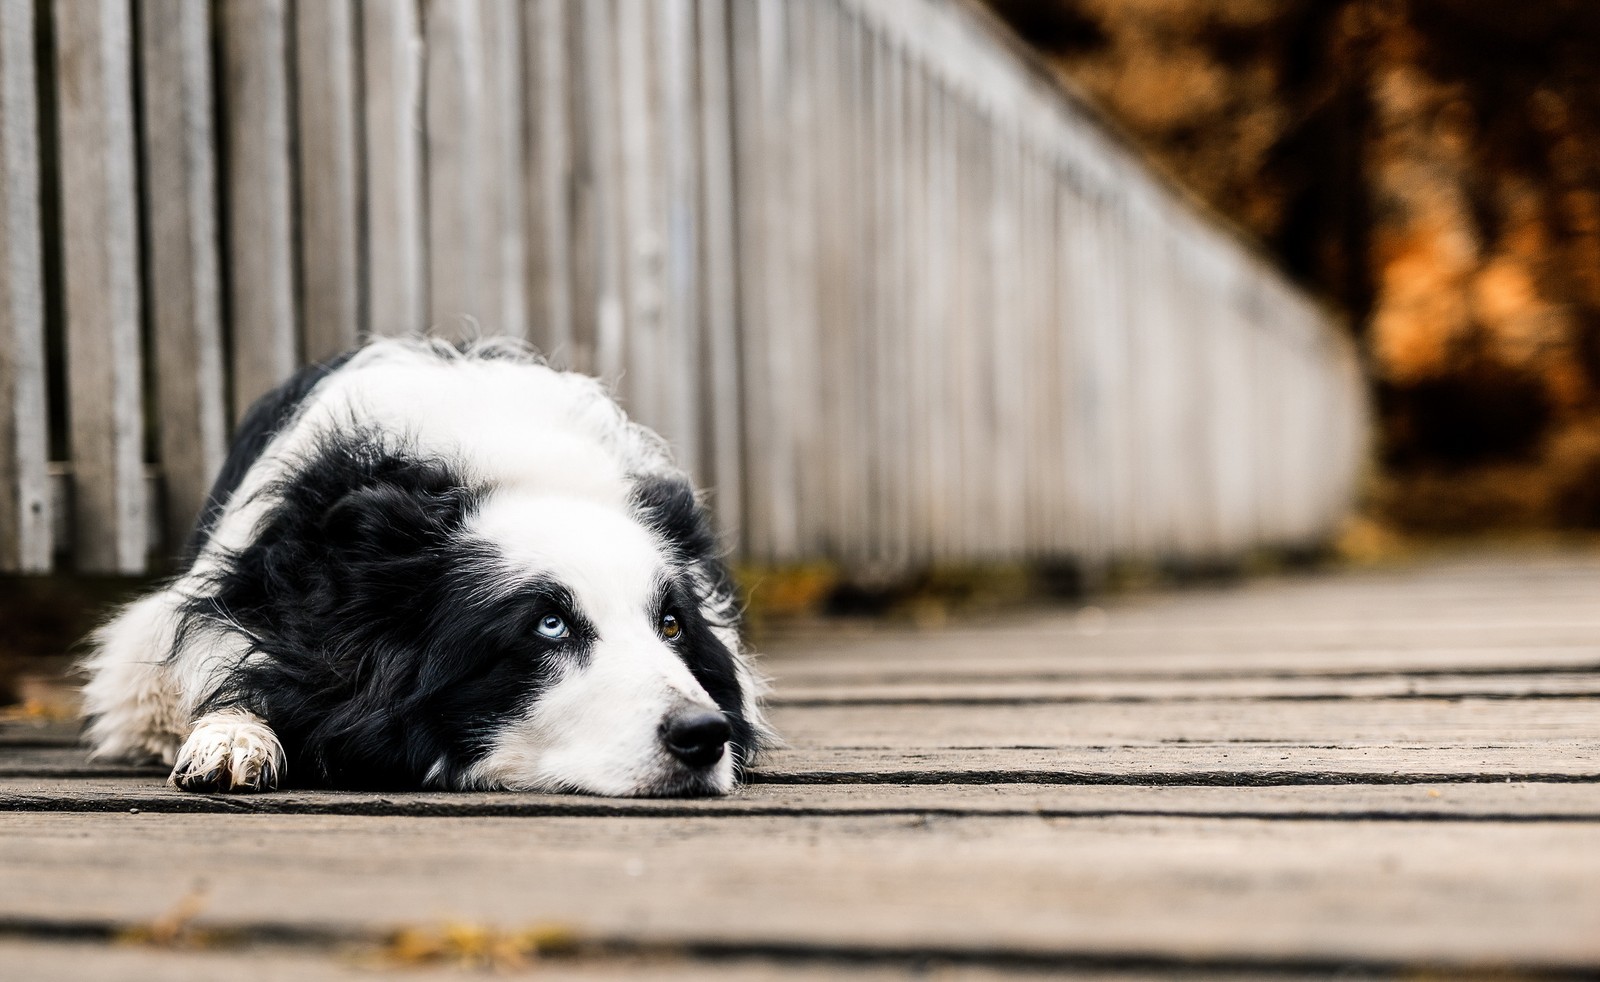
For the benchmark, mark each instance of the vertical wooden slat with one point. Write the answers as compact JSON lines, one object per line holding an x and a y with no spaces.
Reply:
{"x":644,"y":383}
{"x":834,"y":274}
{"x":25,"y":512}
{"x":395,"y":282}
{"x":602,"y":339}
{"x":328,"y":177}
{"x":261,"y":289}
{"x":453,"y":130}
{"x":795,"y":364}
{"x":181,"y":220}
{"x":506,"y":294}
{"x":896,"y":298}
{"x":681,"y":253}
{"x":770,"y":377}
{"x":858,"y":418}
{"x":751,"y":178}
{"x":100,"y":266}
{"x":721,"y":429}
{"x":546,"y":28}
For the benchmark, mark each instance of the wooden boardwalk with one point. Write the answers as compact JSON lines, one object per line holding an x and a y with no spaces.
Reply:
{"x":1360,"y":775}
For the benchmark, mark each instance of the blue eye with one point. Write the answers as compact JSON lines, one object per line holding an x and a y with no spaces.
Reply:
{"x":552,"y":626}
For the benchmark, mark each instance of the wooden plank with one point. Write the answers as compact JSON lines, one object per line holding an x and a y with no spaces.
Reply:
{"x":100,"y":271}
{"x":769,"y":379}
{"x":1043,"y":690}
{"x":26,"y":544}
{"x":260,"y":196}
{"x":395,"y":284}
{"x":1269,"y":764}
{"x":455,"y":133}
{"x":1484,"y":802}
{"x":800,"y":354}
{"x":1155,"y":716}
{"x":183,"y":237}
{"x":506,"y":295}
{"x":549,"y":160}
{"x":329,"y":179}
{"x":722,"y":435}
{"x":645,"y":376}
{"x":750,"y":176}
{"x":1205,"y":890}
{"x":1266,"y":765}
{"x":601,"y":332}
{"x":60,"y":960}
{"x":680,"y":144}
{"x":1038,"y":656}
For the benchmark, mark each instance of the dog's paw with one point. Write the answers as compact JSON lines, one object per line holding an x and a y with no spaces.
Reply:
{"x":229,"y":752}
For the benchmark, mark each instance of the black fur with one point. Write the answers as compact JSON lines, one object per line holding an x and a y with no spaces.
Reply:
{"x":375,"y":654}
{"x":382,"y":656}
{"x":262,"y":421}
{"x":669,"y":507}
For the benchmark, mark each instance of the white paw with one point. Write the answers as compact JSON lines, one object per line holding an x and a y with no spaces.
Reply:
{"x":229,"y":751}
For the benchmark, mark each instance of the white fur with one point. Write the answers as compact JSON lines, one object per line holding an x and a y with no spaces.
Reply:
{"x":560,"y":508}
{"x":229,"y":750}
{"x":597,"y":727}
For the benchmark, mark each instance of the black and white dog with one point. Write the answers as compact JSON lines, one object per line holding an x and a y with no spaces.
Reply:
{"x":436,"y":566}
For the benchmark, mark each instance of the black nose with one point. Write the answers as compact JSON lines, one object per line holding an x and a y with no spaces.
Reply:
{"x":696,"y":737}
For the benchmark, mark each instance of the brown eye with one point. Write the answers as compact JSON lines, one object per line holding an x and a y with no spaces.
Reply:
{"x":670,"y":627}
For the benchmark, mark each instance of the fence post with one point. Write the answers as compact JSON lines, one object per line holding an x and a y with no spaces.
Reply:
{"x":99,"y":223}
{"x":25,"y":507}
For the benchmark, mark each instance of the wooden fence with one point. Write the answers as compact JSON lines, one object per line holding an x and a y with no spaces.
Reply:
{"x":892,"y":294}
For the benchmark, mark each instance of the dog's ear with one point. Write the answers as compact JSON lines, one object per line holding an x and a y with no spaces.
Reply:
{"x":667,"y":505}
{"x":405,"y":507}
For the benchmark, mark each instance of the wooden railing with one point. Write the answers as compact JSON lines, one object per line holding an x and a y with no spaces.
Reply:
{"x":893,"y":294}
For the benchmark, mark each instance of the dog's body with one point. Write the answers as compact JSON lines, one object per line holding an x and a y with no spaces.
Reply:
{"x":436,"y":566}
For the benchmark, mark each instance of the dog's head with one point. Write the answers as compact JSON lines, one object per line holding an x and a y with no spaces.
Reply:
{"x":623,"y":642}
{"x":409,"y":629}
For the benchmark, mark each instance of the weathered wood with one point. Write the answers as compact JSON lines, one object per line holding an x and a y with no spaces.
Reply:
{"x":260,"y":196}
{"x":1447,"y":802}
{"x":1287,"y":807}
{"x":71,"y":961}
{"x":548,"y":128}
{"x":681,"y":367}
{"x":722,"y":436}
{"x":183,"y":237}
{"x":1504,"y":718}
{"x":952,"y":316}
{"x":329,"y":179}
{"x":505,"y":230}
{"x":1386,"y":893}
{"x":1042,"y":689}
{"x":100,"y":272}
{"x":1276,"y":764}
{"x":396,"y":280}
{"x":25,"y":507}
{"x":601,"y":345}
{"x":455,"y":131}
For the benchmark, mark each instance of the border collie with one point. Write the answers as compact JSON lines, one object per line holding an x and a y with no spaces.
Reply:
{"x":436,"y":566}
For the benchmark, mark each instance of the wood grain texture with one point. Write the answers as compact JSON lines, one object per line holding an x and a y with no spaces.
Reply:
{"x":887,"y":288}
{"x":100,"y":273}
{"x":182,"y":234}
{"x":260,"y":196}
{"x":26,"y":543}
{"x":396,"y":282}
{"x":1175,"y":888}
{"x":328,"y":175}
{"x":1288,"y":807}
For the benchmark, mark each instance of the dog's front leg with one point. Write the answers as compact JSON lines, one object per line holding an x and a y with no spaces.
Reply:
{"x":230,"y":750}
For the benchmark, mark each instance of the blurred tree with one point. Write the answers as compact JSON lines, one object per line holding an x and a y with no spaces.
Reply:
{"x":1434,"y":166}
